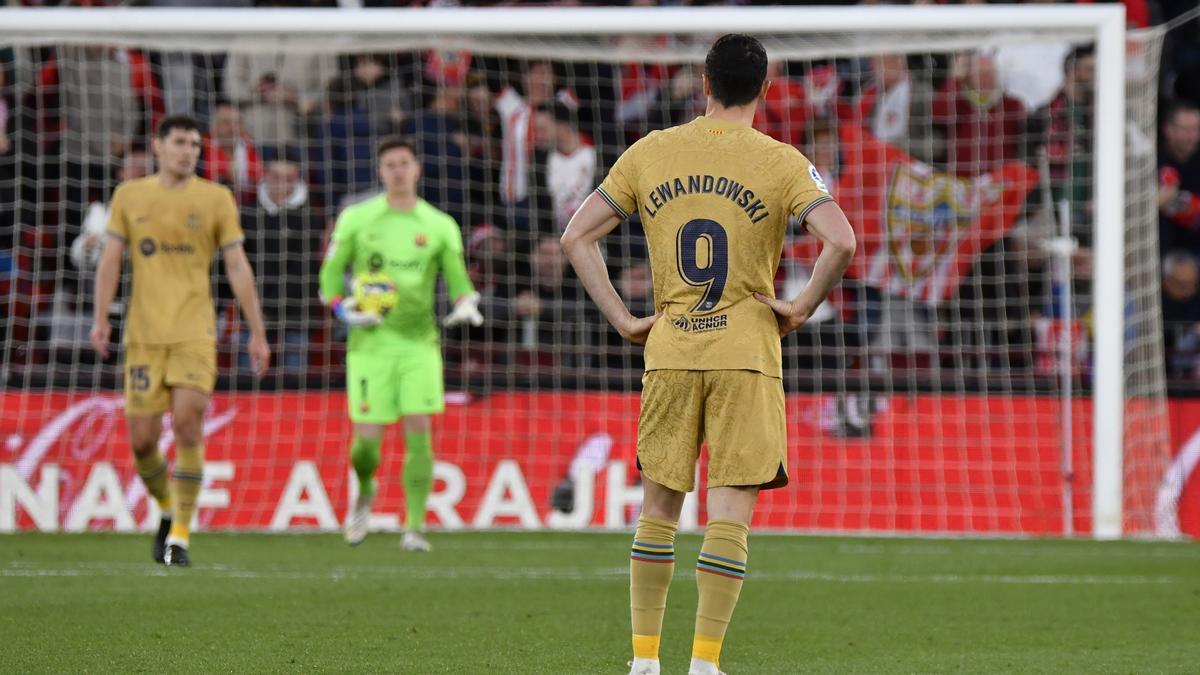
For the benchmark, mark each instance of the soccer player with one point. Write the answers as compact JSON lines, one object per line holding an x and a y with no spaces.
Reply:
{"x":394,"y":363}
{"x":715,"y":197}
{"x":173,"y":222}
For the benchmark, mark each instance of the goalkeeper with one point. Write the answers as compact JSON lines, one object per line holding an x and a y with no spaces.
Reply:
{"x":393,"y":360}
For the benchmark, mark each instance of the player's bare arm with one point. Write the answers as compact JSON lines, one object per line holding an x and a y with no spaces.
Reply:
{"x":108,"y":274}
{"x":241,"y":280}
{"x":827,"y":223}
{"x":580,"y":241}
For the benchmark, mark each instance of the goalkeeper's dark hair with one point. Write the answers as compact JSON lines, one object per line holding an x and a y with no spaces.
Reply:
{"x":181,"y":122}
{"x":389,"y":143}
{"x":736,"y":67}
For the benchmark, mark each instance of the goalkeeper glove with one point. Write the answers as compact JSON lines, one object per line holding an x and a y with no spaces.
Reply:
{"x":466,"y":310}
{"x":347,"y":310}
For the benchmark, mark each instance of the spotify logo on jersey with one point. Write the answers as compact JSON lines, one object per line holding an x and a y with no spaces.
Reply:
{"x":147,"y":247}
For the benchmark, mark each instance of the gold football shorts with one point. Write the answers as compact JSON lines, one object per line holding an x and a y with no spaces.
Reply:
{"x":740,"y":413}
{"x":151,"y":371}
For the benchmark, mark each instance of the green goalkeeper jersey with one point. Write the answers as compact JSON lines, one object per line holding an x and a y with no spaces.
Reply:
{"x":410,"y":247}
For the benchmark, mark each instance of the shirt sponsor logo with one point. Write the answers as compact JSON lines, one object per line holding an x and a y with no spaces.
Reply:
{"x":701,"y":324}
{"x":149,"y":247}
{"x":181,"y":249}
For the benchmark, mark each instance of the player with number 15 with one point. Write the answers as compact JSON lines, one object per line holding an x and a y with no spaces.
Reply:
{"x":172,"y":223}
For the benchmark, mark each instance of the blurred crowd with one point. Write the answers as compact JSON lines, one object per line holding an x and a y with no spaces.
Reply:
{"x":511,"y":147}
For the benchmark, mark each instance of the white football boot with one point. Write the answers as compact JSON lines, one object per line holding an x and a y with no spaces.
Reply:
{"x":414,"y":541}
{"x":357,"y":521}
{"x":644,"y":667}
{"x":702,"y":667}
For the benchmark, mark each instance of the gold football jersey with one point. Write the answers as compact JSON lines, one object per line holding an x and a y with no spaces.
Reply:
{"x":715,"y":199}
{"x":172,"y":235}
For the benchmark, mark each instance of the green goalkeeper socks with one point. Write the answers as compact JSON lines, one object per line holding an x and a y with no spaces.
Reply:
{"x":364,"y":455}
{"x":418,"y":477}
{"x":418,"y":472}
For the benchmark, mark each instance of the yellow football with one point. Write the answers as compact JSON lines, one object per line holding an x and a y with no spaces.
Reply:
{"x":375,"y":293}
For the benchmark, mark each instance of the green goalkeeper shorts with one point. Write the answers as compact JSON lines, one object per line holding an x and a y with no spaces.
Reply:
{"x":382,"y":388}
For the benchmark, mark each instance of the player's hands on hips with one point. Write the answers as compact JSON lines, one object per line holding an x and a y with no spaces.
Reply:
{"x":99,"y":336}
{"x":637,"y":330}
{"x":790,"y":315}
{"x":260,"y":354}
{"x":347,"y":310}
{"x":466,"y":310}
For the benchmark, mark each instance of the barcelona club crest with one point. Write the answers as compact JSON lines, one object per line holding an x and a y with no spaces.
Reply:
{"x":193,"y":221}
{"x":421,"y":240}
{"x":926,"y":215}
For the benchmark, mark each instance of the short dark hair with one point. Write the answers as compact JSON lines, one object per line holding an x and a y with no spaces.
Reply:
{"x":565,"y":114}
{"x":560,"y":112}
{"x":389,"y":143}
{"x":1177,"y":106}
{"x":1079,"y":52}
{"x":736,"y":67}
{"x":281,"y":153}
{"x":171,"y":122}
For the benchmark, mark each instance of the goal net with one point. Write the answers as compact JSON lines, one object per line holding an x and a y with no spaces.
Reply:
{"x":946,"y":387}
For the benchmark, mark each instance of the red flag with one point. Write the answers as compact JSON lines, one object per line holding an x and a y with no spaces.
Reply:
{"x":919,"y":229}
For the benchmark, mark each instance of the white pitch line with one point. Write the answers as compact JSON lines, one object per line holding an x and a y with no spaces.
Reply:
{"x":482,"y":573}
{"x":1169,"y":551}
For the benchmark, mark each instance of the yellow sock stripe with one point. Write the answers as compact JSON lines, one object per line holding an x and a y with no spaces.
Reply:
{"x":180,"y":530}
{"x":706,"y":648}
{"x":646,"y":646}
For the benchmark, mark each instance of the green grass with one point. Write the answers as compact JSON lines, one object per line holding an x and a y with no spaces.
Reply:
{"x":558,"y":603}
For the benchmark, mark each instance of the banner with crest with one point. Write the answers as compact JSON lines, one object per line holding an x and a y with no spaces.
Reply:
{"x":919,"y":229}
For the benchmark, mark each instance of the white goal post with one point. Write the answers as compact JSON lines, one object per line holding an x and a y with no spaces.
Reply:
{"x":333,"y":30}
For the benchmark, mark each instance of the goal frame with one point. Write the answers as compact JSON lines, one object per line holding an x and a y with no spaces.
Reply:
{"x":1103,"y":23}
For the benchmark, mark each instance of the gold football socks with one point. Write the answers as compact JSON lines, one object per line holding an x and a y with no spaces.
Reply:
{"x":186,"y":480}
{"x":720,"y":570}
{"x":651,"y":566}
{"x":152,"y":467}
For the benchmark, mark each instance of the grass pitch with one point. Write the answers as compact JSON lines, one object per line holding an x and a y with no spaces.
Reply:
{"x":558,"y":603}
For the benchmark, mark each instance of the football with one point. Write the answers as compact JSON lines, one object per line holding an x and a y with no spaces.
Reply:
{"x":375,"y":293}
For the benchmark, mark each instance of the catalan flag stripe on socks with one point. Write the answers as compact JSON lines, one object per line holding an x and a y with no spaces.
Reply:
{"x":653,"y":553}
{"x":726,"y":567}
